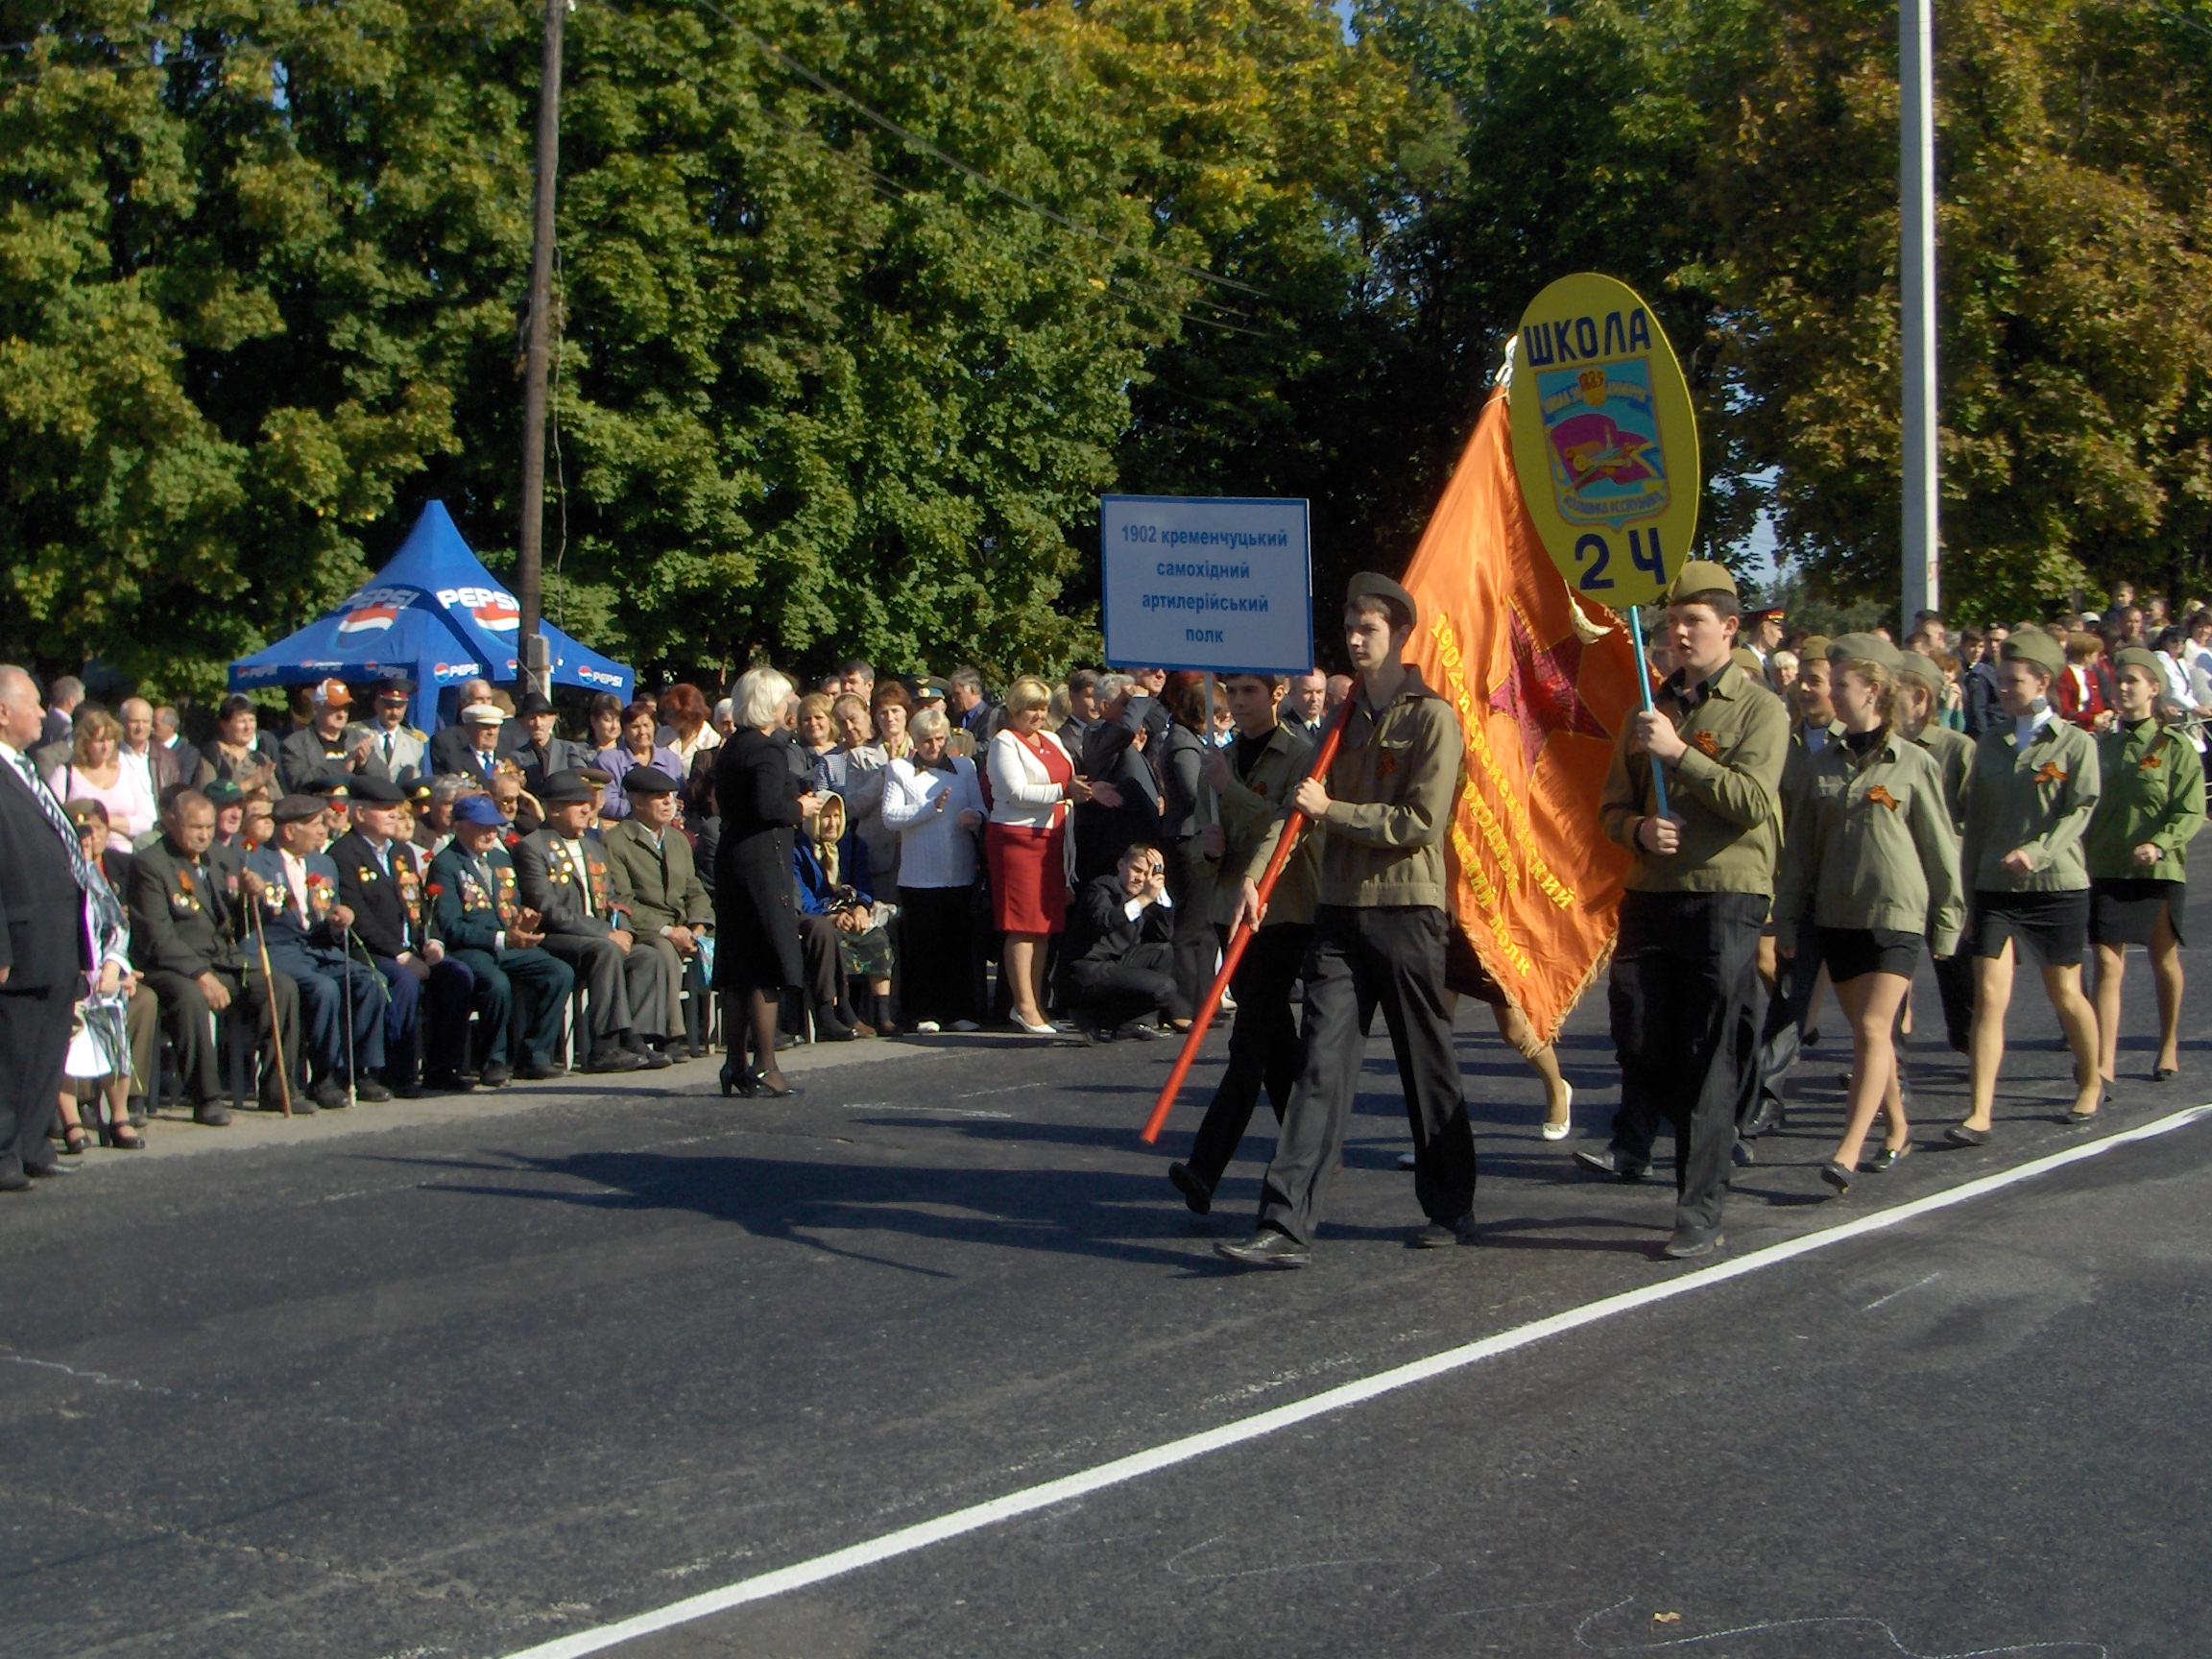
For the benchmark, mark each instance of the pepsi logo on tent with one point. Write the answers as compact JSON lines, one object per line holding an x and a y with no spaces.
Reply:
{"x":493,"y":608}
{"x":591,"y":676}
{"x":371,"y":612}
{"x":443,"y":672}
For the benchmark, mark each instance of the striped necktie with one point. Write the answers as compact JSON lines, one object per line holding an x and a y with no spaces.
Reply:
{"x":80,"y":866}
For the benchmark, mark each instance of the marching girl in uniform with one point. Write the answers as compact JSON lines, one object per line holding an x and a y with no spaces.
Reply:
{"x":1874,"y":857}
{"x":2036,"y":784}
{"x":2137,"y":847}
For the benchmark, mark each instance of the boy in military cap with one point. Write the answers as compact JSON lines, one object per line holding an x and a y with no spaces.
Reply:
{"x":2036,"y":786}
{"x":565,"y":879}
{"x":1685,"y":979}
{"x":1380,"y":934}
{"x":307,"y":929}
{"x":477,"y":911}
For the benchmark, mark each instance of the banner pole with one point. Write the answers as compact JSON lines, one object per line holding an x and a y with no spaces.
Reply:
{"x":1644,"y":686}
{"x":1284,"y":844}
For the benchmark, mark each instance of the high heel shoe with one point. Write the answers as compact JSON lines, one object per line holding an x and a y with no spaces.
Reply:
{"x":74,"y":1140}
{"x":1560,"y":1130}
{"x":2076,"y":1118}
{"x":762,"y":1084}
{"x":739,"y":1078}
{"x":112,"y":1135}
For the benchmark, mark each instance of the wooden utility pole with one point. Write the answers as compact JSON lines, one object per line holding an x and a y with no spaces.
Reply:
{"x":532,"y":654}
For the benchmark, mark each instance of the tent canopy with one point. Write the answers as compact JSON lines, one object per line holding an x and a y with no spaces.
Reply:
{"x":433,"y":613}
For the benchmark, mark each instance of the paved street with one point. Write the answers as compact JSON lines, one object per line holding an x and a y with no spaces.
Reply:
{"x":457,"y":1380}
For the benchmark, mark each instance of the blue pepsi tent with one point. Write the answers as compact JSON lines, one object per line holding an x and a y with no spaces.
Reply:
{"x":433,"y":613}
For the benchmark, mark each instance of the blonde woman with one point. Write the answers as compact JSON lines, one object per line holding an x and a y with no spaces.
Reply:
{"x":1873,"y":854}
{"x":95,"y":772}
{"x":935,"y":802}
{"x":1033,"y":783}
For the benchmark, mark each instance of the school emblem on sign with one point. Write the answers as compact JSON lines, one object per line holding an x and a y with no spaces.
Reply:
{"x":1607,"y":465}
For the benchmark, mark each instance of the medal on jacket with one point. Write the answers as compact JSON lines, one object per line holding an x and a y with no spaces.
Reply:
{"x":318,"y":895}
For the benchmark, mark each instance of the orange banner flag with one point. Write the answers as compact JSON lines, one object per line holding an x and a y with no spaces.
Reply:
{"x":1541,"y":682}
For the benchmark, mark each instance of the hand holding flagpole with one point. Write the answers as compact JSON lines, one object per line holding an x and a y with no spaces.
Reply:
{"x":1644,"y":686}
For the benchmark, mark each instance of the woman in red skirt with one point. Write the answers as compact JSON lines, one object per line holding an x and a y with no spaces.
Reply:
{"x":1033,"y":783}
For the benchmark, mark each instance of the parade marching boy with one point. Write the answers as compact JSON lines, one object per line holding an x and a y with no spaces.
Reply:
{"x":1685,"y":973}
{"x":1380,"y":931}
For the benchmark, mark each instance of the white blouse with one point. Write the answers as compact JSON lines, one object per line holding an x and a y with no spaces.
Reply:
{"x":1021,"y":790}
{"x":933,"y":850}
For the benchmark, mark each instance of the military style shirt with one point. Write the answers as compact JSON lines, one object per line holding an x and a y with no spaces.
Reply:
{"x":1725,"y":789}
{"x":1872,"y":846}
{"x":1252,"y":806}
{"x":1392,"y":789}
{"x":1954,"y":755}
{"x":2153,"y":791}
{"x":2038,"y":795}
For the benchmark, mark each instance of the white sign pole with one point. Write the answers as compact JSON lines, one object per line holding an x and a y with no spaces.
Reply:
{"x":1916,"y":220}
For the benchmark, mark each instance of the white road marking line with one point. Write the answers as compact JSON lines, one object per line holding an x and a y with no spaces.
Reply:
{"x":1884,"y":1301}
{"x":906,"y":1540}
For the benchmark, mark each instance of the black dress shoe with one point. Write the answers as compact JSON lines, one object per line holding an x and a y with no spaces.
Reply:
{"x":1837,"y":1176}
{"x":1195,"y":1193}
{"x":13,"y":1181}
{"x":1742,"y":1154}
{"x":212,"y":1113}
{"x":2164,"y":1074}
{"x":650,"y":1059}
{"x":46,"y":1171}
{"x":496,"y":1074}
{"x":784,"y":1040}
{"x":538,"y":1072}
{"x":1444,"y":1235}
{"x":1605,"y":1160}
{"x":1266,"y":1248}
{"x":1889,"y":1158}
{"x":1958,"y":1135}
{"x":448,"y":1082}
{"x":370,"y":1090}
{"x":1765,"y":1118}
{"x":768,"y":1090}
{"x":608,"y":1060}
{"x":1691,"y":1242}
{"x":829,"y":1028}
{"x":327,"y":1095}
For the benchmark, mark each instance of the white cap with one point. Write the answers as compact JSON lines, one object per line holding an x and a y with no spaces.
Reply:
{"x":484,"y":714}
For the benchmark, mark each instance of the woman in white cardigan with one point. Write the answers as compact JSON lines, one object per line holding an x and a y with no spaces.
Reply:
{"x":935,"y":803}
{"x":1033,"y":783}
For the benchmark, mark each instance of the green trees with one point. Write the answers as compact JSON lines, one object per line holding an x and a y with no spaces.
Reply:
{"x":861,"y":305}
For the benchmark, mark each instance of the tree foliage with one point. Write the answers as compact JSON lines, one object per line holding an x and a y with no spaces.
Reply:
{"x":862,"y":302}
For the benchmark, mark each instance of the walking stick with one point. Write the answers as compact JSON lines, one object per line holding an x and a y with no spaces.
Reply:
{"x":276,"y":1023}
{"x":345,"y":949}
{"x":1644,"y":684}
{"x":1284,"y":845}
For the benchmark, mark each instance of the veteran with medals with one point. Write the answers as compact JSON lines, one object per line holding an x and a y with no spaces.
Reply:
{"x":477,"y":911}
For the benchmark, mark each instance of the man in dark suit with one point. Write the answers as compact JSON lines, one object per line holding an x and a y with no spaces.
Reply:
{"x":381,"y":880}
{"x":45,"y":950}
{"x":567,"y":880}
{"x":325,"y":747}
{"x":475,"y":909}
{"x":540,"y":754}
{"x":186,"y":904}
{"x":63,"y":695}
{"x":1118,"y":949}
{"x":308,"y":933}
{"x":471,"y":749}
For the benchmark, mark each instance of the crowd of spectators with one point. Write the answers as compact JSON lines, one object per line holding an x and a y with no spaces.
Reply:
{"x":338,"y":907}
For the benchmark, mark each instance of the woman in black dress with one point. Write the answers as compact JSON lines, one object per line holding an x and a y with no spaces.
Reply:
{"x":756,"y":908}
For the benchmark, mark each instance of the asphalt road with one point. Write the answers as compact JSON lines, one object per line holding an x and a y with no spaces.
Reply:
{"x":469,"y":1382}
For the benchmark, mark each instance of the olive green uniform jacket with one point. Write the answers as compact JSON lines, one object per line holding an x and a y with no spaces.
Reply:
{"x":661,"y":889}
{"x":1251,"y":809}
{"x":1954,"y":755}
{"x":2038,"y":795}
{"x":1725,"y":789}
{"x":1872,"y":845}
{"x":1392,"y":789}
{"x":2154,"y":792}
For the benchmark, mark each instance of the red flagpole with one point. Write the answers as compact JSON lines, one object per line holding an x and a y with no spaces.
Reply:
{"x":1284,"y":846}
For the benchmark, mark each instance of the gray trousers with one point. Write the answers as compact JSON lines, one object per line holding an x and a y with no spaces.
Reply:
{"x":1391,"y":958}
{"x":626,"y":993}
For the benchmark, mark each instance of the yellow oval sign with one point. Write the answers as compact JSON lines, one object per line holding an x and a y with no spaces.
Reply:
{"x":1604,"y":440}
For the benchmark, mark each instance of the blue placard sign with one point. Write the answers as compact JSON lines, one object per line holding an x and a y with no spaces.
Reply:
{"x":1219,"y":582}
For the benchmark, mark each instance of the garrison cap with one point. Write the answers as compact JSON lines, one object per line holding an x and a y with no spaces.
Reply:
{"x":2136,"y":656}
{"x":2033,"y":645}
{"x":297,"y":808}
{"x":566,"y":789}
{"x":1700,"y":576}
{"x":1747,"y":660}
{"x":1813,"y":648}
{"x":1374,"y":584}
{"x":648,"y":781}
{"x":370,"y":791}
{"x":481,"y":810}
{"x":1922,"y":667}
{"x":1871,"y":647}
